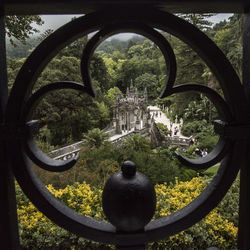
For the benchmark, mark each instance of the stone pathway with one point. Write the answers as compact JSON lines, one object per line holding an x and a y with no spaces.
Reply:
{"x":115,"y":137}
{"x":163,"y":119}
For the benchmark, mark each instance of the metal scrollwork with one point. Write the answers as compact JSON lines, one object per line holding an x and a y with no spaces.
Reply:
{"x":144,"y":22}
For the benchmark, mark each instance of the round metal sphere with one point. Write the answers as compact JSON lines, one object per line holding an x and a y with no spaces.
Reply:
{"x":129,"y":199}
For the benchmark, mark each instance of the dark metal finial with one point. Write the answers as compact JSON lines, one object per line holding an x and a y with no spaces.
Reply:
{"x":129,"y":199}
{"x":128,"y":169}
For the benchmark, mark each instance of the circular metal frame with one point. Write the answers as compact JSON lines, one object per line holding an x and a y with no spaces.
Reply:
{"x":232,"y":109}
{"x":134,"y":27}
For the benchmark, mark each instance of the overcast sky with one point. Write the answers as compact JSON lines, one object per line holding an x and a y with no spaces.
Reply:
{"x":55,"y":21}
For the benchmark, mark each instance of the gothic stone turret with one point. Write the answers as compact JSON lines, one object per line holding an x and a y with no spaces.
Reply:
{"x":131,"y":111}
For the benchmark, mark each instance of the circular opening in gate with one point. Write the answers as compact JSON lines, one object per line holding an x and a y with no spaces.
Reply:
{"x":132,"y":68}
{"x":72,"y":123}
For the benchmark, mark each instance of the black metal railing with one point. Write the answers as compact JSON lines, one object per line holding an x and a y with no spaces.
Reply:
{"x":16,"y":134}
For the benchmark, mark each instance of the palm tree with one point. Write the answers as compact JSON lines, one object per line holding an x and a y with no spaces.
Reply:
{"x":137,"y":143}
{"x":95,"y":138}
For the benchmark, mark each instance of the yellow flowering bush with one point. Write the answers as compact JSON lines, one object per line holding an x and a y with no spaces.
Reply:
{"x":82,"y":198}
{"x":38,"y":232}
{"x":213,"y":230}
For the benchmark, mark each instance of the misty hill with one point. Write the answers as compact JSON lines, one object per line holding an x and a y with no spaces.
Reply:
{"x":21,"y":50}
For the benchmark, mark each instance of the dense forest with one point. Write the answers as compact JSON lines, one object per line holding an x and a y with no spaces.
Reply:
{"x":114,"y":65}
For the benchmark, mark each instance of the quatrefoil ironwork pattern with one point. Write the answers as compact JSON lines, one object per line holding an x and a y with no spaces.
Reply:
{"x":147,"y":23}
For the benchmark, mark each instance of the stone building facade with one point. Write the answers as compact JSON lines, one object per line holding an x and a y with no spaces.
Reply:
{"x":130,"y":112}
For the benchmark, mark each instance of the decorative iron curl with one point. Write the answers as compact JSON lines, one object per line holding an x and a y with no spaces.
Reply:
{"x":233,"y":109}
{"x":136,"y":27}
{"x":34,"y":152}
{"x":223,"y":145}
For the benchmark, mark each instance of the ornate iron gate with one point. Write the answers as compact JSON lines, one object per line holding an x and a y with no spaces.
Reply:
{"x":16,"y":131}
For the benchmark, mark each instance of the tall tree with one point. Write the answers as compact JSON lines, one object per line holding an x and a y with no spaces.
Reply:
{"x":229,"y":39}
{"x":20,"y":27}
{"x":68,"y":113}
{"x":150,"y":82}
{"x":199,"y":20}
{"x":190,"y":67}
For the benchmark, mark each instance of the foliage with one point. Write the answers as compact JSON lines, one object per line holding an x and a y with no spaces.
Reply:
{"x":189,"y":64}
{"x":113,"y":45}
{"x":163,"y":128}
{"x":191,"y":128}
{"x":210,"y":172}
{"x":95,"y":137}
{"x":208,"y":142}
{"x":207,"y":138}
{"x":229,"y":38}
{"x":110,"y":96}
{"x":201,"y":109}
{"x":68,"y":113}
{"x":94,"y":166}
{"x":199,"y":20}
{"x":229,"y":206}
{"x":13,"y":66}
{"x":159,"y":164}
{"x":38,"y":232}
{"x":177,"y":103}
{"x":150,"y":82}
{"x":227,"y":35}
{"x":215,"y":229}
{"x":100,"y":73}
{"x":203,"y":133}
{"x":137,"y":143}
{"x":20,"y":27}
{"x":126,"y":65}
{"x":97,"y":161}
{"x":74,"y":49}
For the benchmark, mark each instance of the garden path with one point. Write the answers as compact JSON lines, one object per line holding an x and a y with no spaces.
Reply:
{"x":162,"y":118}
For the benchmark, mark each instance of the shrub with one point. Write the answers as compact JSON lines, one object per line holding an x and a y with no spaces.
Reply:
{"x":203,"y":133}
{"x":163,"y":128}
{"x":207,"y":138}
{"x":136,"y":142}
{"x":191,"y":128}
{"x":216,"y":229}
{"x":213,"y":230}
{"x":159,"y":164}
{"x":94,"y":166}
{"x":229,"y":206}
{"x":38,"y":232}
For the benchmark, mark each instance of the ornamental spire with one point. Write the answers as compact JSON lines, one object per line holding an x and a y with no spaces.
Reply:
{"x":131,"y":86}
{"x":146,"y":94}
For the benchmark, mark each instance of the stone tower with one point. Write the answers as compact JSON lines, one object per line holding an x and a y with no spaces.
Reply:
{"x":130,"y":111}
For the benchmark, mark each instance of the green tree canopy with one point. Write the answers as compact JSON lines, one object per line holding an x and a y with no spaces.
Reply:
{"x":95,"y":137}
{"x":20,"y":27}
{"x":150,"y":82}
